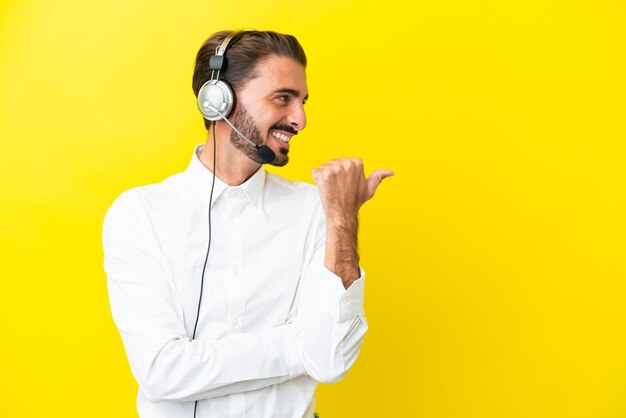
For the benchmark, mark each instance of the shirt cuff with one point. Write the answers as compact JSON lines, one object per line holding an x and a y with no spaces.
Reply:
{"x":334,"y":300}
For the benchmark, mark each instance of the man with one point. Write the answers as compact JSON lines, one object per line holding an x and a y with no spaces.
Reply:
{"x":233,"y":294}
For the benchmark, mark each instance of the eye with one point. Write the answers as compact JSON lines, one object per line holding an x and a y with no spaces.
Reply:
{"x":283,"y":98}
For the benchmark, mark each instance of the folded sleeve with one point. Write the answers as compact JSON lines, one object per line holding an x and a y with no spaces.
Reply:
{"x":166,"y":363}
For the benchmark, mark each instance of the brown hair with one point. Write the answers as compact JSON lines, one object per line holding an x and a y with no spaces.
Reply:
{"x":243,"y":57}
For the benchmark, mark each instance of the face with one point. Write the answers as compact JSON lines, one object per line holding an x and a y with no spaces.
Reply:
{"x":270,"y":108}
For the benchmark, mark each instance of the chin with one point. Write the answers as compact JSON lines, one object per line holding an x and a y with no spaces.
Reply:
{"x":282,"y":157}
{"x":281,"y":162}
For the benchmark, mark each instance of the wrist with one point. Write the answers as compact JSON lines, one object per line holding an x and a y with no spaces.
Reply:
{"x":342,"y":221}
{"x":348,"y":271}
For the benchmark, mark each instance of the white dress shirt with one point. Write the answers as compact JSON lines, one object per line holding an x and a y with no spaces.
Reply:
{"x":273,"y":320}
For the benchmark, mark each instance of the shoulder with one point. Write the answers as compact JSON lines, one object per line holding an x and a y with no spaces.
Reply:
{"x":281,"y":187}
{"x":139,"y":201}
{"x":294,"y":200}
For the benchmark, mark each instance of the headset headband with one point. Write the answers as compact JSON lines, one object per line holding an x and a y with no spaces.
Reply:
{"x":218,"y":61}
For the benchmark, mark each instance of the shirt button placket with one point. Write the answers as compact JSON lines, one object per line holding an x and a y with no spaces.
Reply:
{"x":237,"y":294}
{"x":238,"y":288}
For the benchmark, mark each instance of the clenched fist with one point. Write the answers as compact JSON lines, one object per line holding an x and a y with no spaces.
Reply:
{"x":344,"y":188}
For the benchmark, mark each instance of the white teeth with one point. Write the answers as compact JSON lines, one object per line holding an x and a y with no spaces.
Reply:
{"x":280,"y":136}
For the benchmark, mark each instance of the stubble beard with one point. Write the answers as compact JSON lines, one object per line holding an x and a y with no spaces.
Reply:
{"x":245,"y":123}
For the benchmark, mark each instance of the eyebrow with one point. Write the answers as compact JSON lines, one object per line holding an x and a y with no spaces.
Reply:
{"x":293,"y":92}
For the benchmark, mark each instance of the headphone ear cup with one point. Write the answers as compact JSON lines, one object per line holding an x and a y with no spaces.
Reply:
{"x":218,"y":95}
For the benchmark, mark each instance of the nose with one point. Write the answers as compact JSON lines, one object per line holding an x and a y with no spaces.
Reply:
{"x":297,"y":117}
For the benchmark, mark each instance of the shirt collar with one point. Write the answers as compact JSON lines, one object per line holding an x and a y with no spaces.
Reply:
{"x":201,"y":177}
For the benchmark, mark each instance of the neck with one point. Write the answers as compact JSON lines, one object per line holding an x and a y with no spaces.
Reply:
{"x":233,"y":167}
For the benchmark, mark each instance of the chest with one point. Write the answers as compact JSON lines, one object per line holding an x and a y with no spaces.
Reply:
{"x":251,"y":278}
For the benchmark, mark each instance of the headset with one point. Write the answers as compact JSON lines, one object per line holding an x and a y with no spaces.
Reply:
{"x":216,"y":97}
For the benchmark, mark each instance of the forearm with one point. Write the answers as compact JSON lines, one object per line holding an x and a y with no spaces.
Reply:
{"x":332,"y":307}
{"x":322,"y":343}
{"x":185,"y":370}
{"x":342,"y":257}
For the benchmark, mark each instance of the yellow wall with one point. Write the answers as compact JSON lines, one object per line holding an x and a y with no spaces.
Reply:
{"x":495,"y":257}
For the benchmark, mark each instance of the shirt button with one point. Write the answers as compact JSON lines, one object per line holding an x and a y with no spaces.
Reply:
{"x":345,"y":299}
{"x":338,"y":349}
{"x":235,"y":322}
{"x":235,"y":269}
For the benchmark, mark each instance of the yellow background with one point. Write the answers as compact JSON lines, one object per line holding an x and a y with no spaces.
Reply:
{"x":495,"y":256}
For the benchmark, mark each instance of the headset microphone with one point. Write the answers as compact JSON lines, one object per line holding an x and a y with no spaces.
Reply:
{"x":264,"y":152}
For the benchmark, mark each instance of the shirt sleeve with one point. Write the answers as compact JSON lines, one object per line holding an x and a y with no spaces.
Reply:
{"x":332,"y":316}
{"x":166,"y":363}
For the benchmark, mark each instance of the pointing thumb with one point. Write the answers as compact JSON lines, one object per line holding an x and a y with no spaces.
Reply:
{"x":375,"y":179}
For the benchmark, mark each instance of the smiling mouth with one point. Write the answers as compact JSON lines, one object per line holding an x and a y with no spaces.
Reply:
{"x":281,"y":136}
